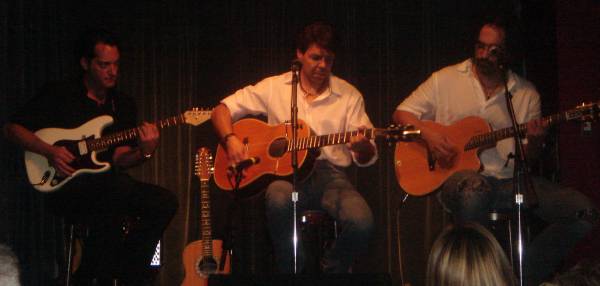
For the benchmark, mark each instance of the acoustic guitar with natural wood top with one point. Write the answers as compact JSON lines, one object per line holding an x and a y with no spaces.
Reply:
{"x":202,"y":258}
{"x":419,"y":173}
{"x":271,"y":146}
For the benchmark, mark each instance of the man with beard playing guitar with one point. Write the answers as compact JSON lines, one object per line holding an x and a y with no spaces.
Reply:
{"x":475,"y":87}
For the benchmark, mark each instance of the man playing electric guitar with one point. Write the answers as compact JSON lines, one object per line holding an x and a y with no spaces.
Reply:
{"x":475,"y":87}
{"x":328,"y":105}
{"x":100,"y":201}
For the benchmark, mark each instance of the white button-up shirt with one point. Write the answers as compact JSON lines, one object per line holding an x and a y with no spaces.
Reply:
{"x":454,"y":93}
{"x":340,"y":108}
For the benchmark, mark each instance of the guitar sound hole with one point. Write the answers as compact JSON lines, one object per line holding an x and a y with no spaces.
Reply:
{"x":206,"y":266}
{"x":278,"y":147}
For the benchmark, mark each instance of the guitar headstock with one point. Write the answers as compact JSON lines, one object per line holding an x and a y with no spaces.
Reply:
{"x":396,"y":133}
{"x":196,"y":116}
{"x":588,"y":111}
{"x":203,"y":165}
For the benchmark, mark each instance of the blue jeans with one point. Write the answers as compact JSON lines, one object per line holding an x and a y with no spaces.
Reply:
{"x":469,"y":196}
{"x":326,"y":189}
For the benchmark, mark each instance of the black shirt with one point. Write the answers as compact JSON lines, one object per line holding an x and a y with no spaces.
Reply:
{"x":66,"y":105}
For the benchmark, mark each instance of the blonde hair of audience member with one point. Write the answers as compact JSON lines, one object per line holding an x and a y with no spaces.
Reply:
{"x":468,"y":255}
{"x":9,"y":267}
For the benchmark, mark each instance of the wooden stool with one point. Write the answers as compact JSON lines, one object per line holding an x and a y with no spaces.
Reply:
{"x":75,"y":233}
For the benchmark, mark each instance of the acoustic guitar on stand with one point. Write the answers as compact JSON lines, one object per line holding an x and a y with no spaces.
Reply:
{"x":202,"y":258}
{"x":269,"y":149}
{"x":84,"y":142}
{"x":419,"y":173}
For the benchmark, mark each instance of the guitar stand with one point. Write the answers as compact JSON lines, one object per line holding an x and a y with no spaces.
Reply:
{"x":401,"y":205}
{"x":229,"y":237}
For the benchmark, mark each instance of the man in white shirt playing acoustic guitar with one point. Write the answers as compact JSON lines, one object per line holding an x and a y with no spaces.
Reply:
{"x":327,"y":104}
{"x":475,"y":87}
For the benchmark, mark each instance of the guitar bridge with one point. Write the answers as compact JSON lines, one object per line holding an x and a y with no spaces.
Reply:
{"x":44,"y":179}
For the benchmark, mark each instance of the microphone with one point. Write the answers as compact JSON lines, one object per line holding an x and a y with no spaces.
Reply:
{"x":496,"y":52}
{"x":244,"y":164}
{"x":296,"y":65}
{"x":500,"y":56}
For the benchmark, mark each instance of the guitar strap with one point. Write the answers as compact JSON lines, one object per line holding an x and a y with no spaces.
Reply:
{"x":112,"y":103}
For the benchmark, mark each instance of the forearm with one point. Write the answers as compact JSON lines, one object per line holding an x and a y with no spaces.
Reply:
{"x":126,"y":156}
{"x":365,"y":156}
{"x":26,"y":139}
{"x":221,"y":120}
{"x":407,"y":118}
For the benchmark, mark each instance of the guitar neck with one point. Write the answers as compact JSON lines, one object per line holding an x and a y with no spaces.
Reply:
{"x":129,"y":134}
{"x":491,"y":138}
{"x":205,"y":226}
{"x":333,"y":139}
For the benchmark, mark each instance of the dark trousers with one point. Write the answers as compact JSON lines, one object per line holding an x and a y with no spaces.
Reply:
{"x":102,"y":202}
{"x":469,"y":196}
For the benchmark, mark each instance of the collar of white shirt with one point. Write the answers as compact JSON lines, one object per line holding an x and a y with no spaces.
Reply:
{"x":467,"y":67}
{"x":334,"y":85}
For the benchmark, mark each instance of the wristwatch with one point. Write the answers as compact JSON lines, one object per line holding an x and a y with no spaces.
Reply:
{"x":224,"y":139}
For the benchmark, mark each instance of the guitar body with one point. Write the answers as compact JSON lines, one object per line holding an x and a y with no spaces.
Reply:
{"x":84,"y":142}
{"x":197,"y":267}
{"x":202,"y":258}
{"x":42,"y":175}
{"x":411,"y":158}
{"x":269,"y":143}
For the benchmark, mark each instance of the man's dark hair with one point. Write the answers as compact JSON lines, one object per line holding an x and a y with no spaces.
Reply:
{"x":319,"y":33}
{"x":512,"y":33}
{"x":500,"y":23}
{"x":91,"y":37}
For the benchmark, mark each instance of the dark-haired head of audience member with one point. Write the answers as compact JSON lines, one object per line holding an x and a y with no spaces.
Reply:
{"x":584,"y":273}
{"x":468,"y":254}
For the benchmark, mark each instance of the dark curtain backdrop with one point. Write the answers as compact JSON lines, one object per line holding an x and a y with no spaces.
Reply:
{"x":182,"y":54}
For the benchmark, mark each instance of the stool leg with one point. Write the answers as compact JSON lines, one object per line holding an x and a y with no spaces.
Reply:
{"x":70,"y":255}
{"x":335,"y":230}
{"x":510,"y":243}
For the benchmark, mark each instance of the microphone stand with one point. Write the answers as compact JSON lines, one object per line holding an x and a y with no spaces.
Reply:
{"x":522,"y":190}
{"x":294,"y":149}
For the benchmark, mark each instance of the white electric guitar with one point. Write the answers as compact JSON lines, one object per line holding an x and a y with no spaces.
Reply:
{"x":84,"y":142}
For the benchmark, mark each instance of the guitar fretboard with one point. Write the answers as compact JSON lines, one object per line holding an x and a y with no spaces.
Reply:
{"x":130,"y":134}
{"x":205,"y":218}
{"x":491,"y":138}
{"x":333,"y":139}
